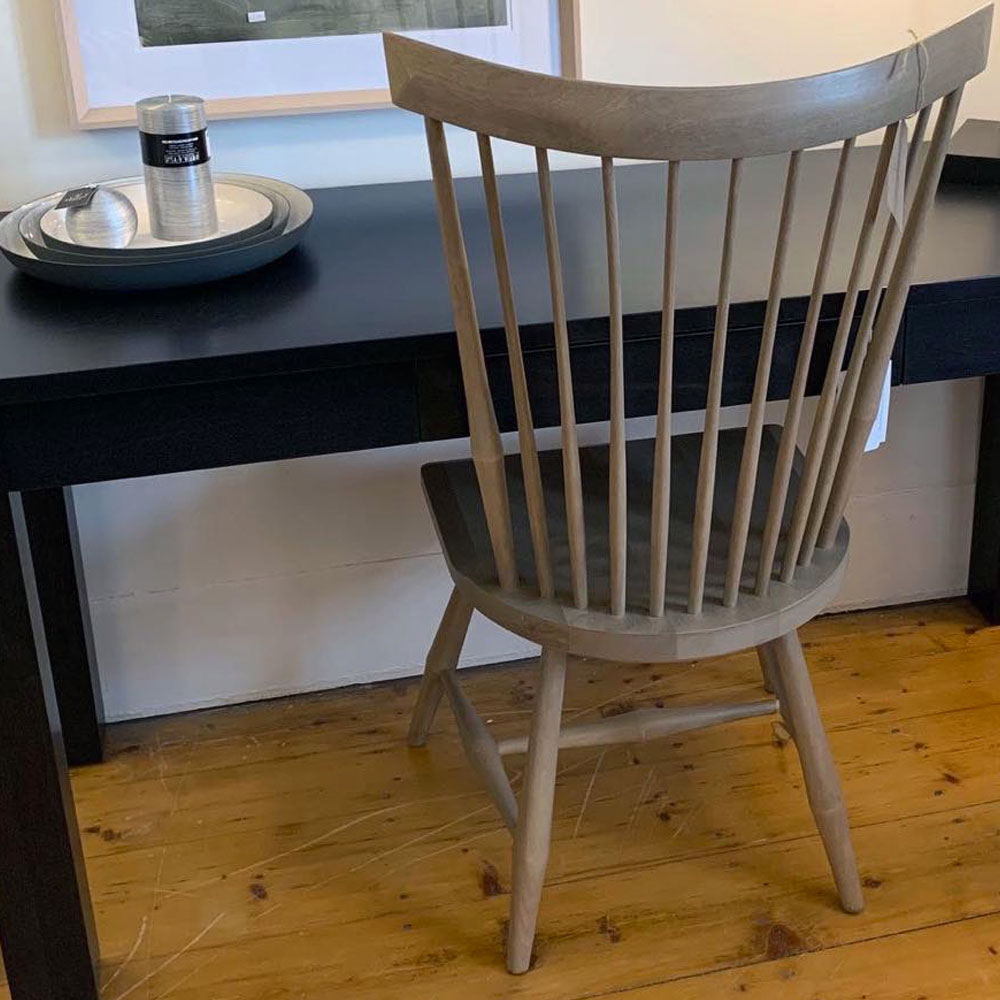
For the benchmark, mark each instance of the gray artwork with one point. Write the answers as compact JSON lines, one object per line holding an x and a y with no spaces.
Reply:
{"x":190,"y":22}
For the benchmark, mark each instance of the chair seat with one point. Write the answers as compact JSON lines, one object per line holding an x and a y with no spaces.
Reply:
{"x":453,"y":495}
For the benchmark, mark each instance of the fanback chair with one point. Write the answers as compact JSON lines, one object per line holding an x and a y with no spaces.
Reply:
{"x":681,"y":546}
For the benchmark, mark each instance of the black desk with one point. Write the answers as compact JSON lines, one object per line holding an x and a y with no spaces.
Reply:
{"x":344,"y":345}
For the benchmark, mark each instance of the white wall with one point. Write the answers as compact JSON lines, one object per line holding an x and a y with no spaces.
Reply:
{"x":223,"y":585}
{"x":726,"y":41}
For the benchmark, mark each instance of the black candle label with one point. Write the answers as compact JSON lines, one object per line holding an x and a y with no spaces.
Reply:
{"x":186,"y":149}
{"x":78,"y":197}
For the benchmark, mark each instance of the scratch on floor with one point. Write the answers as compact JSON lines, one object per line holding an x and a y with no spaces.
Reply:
{"x":173,"y":958}
{"x":415,"y":840}
{"x":156,"y":892}
{"x":378,"y":857}
{"x":269,"y":910}
{"x":448,"y":847}
{"x":292,"y":850}
{"x":316,"y":840}
{"x":190,"y":975}
{"x":156,"y":756}
{"x":158,"y":882}
{"x":445,"y":850}
{"x":586,"y":797}
{"x":128,"y":958}
{"x":683,"y":825}
{"x":160,"y":891}
{"x":643,"y":789}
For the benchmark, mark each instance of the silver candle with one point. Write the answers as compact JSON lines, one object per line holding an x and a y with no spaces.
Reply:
{"x":175,"y":153}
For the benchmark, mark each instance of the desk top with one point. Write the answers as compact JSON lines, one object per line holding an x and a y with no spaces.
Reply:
{"x":370,"y":272}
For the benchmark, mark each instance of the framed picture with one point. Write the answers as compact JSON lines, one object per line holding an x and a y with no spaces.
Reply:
{"x":283,"y":57}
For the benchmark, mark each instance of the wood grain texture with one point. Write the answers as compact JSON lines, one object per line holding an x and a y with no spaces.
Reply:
{"x":682,"y":123}
{"x":353,"y":866}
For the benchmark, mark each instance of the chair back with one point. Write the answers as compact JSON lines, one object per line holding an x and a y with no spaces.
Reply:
{"x":677,"y":124}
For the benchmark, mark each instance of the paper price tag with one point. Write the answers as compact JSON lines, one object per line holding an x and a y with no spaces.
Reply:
{"x":895,"y":181}
{"x":880,"y":428}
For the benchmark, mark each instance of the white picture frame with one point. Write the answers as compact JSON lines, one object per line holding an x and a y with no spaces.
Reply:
{"x":108,"y":69}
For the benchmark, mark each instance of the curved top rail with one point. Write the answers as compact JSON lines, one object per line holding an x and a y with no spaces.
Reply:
{"x":684,"y":123}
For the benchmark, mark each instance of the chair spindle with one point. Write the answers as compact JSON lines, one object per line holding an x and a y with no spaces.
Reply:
{"x":567,"y":409}
{"x":534,"y":497}
{"x":660,"y":518}
{"x":846,"y":396}
{"x":884,"y":337}
{"x":710,"y":437}
{"x":617,"y":500}
{"x":796,"y":398}
{"x":755,"y":422}
{"x":828,"y":394}
{"x":486,"y":447}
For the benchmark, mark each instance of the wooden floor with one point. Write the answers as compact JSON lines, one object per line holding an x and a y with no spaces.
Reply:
{"x":298,"y":849}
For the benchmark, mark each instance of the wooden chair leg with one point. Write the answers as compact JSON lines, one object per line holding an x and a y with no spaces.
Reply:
{"x":768,"y":668}
{"x":442,"y":657}
{"x":822,"y":782}
{"x":534,"y":827}
{"x":772,"y":681}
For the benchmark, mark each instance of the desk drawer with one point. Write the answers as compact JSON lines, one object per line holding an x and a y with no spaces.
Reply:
{"x":946,"y":340}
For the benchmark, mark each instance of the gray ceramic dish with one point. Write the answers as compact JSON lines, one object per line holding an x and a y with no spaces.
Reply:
{"x":166,"y":273}
{"x":243,"y":212}
{"x":34,"y":238}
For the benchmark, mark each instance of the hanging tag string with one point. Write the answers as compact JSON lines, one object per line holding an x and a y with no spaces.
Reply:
{"x":922,"y":60}
{"x":894,"y":192}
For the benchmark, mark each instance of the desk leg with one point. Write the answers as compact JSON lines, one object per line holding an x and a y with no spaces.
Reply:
{"x":62,"y":594}
{"x":984,"y":558}
{"x":46,"y":920}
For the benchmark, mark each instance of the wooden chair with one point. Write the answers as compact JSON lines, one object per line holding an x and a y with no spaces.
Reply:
{"x":667,"y":549}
